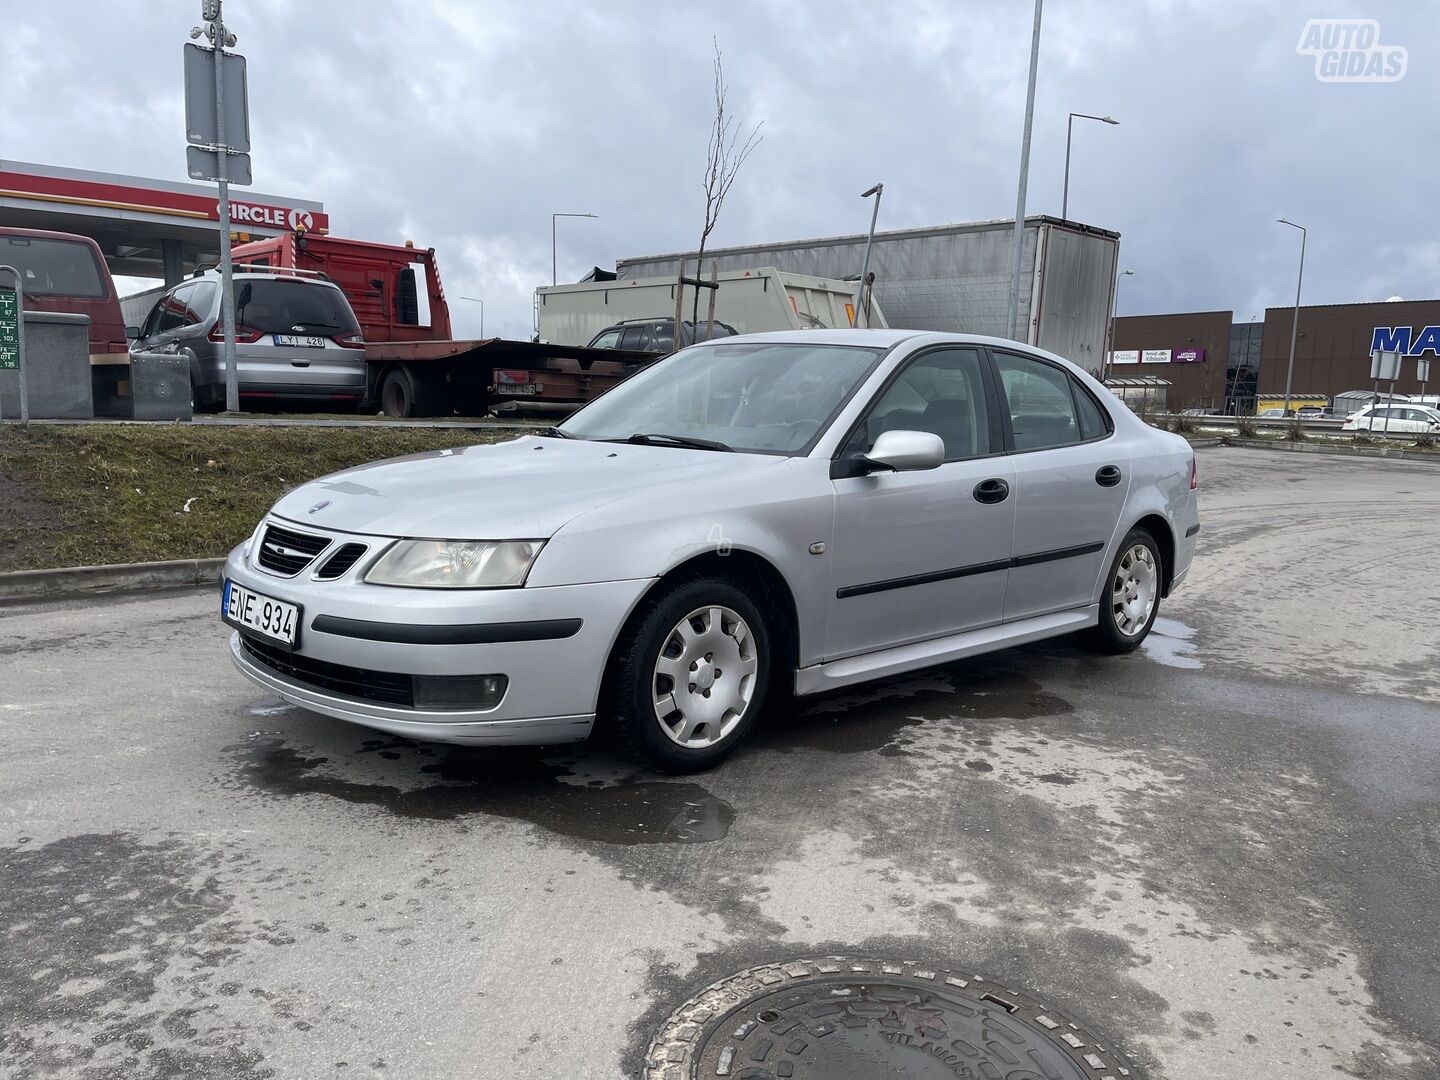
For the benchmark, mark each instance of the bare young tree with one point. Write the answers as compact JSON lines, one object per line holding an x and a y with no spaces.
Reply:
{"x":725,"y":154}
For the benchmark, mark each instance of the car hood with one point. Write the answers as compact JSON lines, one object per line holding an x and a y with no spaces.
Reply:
{"x":526,"y":488}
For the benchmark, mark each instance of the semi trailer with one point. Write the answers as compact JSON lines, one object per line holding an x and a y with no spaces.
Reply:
{"x":957,"y":277}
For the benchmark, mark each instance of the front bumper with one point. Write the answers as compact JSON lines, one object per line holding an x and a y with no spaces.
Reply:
{"x":554,"y":682}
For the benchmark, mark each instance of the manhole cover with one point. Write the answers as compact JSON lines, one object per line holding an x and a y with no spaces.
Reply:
{"x":858,"y":1018}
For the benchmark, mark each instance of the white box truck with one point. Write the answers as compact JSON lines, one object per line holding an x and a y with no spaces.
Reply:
{"x":749,"y":300}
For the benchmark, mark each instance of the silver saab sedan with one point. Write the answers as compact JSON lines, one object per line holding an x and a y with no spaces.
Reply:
{"x":752,"y":517}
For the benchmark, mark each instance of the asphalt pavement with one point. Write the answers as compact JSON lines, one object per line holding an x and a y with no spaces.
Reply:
{"x":1219,"y":854}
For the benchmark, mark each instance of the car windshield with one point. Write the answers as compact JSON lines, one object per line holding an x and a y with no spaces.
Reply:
{"x":278,"y":306}
{"x":764,"y":397}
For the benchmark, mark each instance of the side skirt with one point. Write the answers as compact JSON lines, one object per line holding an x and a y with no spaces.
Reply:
{"x":922,"y":654}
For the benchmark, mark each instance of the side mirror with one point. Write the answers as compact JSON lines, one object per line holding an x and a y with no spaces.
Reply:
{"x":907,"y":451}
{"x":132,"y":333}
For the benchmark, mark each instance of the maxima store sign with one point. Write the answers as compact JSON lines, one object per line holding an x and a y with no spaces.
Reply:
{"x":1405,"y":340}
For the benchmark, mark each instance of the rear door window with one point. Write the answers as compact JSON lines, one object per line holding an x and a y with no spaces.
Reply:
{"x":282,"y":306}
{"x":54,"y":267}
{"x":634,"y":337}
{"x":1042,"y":407}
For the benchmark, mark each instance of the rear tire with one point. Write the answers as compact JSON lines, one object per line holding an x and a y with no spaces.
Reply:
{"x":397,"y":393}
{"x":1130,"y":599}
{"x":689,"y":674}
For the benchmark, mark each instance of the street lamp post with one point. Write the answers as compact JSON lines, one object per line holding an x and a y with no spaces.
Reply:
{"x":1069,"y":130}
{"x":1110,"y":329}
{"x":860,"y":300}
{"x":554,"y":276}
{"x":477,"y":300}
{"x":1295,"y":323}
{"x":1012,"y":308}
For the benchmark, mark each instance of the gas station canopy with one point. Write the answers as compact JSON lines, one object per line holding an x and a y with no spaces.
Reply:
{"x":146,"y":228}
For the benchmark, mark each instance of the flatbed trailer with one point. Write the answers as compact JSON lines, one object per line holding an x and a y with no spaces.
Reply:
{"x":438,"y":378}
{"x":413,"y":366}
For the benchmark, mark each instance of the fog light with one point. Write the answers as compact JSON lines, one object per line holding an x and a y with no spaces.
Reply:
{"x":458,"y":691}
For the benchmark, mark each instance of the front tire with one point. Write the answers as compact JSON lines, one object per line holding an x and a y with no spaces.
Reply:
{"x":1130,"y":600}
{"x":689,"y":676}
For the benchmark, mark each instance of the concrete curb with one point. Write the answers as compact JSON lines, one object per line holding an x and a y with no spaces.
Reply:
{"x":120,"y":577}
{"x":1427,"y":457}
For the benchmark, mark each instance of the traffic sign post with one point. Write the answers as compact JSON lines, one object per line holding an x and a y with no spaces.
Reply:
{"x":12,"y":336}
{"x":217,"y":125}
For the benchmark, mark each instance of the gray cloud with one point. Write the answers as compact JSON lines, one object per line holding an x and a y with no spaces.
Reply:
{"x":463,"y":126}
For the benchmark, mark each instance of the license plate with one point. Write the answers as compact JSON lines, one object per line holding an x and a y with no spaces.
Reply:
{"x":303,"y":340}
{"x":519,"y":390}
{"x":264,"y":615}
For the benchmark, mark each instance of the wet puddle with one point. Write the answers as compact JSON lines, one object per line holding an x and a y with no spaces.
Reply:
{"x":445,"y":783}
{"x":1171,"y":643}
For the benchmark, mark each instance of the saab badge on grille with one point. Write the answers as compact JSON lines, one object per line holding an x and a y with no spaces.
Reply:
{"x":319,"y":506}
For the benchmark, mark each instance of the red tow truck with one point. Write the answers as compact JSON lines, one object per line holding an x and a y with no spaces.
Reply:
{"x":415,"y":366}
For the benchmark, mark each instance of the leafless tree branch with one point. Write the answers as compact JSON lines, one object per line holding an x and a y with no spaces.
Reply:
{"x":724,"y":156}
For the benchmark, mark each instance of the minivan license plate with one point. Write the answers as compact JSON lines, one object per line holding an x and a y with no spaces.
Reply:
{"x":266,"y":616}
{"x":304,"y":340}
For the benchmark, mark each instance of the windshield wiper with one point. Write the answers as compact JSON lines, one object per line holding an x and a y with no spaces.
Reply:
{"x":553,"y":433}
{"x":659,"y":437}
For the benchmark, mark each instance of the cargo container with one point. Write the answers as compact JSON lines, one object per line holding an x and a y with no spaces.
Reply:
{"x":956,"y":277}
{"x":749,"y":298}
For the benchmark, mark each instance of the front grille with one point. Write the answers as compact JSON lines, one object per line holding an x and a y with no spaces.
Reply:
{"x":339,"y":564}
{"x":283,"y":551}
{"x":386,"y":687}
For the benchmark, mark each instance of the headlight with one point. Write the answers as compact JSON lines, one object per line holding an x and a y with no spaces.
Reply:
{"x":455,"y":564}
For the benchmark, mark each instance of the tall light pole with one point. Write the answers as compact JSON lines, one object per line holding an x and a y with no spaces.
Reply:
{"x":1295,"y":324}
{"x":1012,"y":313}
{"x":1110,"y":330}
{"x":477,"y":300}
{"x":877,"y":191}
{"x":1069,"y":129}
{"x":554,"y":277}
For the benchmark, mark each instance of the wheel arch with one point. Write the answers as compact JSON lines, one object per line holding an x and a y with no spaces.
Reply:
{"x":744,"y":566}
{"x":1159,"y":528}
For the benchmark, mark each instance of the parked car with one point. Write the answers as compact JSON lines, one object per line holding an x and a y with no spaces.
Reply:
{"x":1318,"y":412}
{"x":656,"y":335}
{"x":296,"y":337}
{"x":64,"y":272}
{"x":788,"y":512}
{"x":1269,"y":414}
{"x":1406,"y":419}
{"x":1202,"y":412}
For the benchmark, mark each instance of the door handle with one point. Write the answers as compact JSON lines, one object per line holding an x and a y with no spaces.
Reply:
{"x":992,"y":491}
{"x":1108,"y":475}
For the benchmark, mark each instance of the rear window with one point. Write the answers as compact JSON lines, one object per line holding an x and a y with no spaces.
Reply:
{"x":54,"y":267}
{"x":280,"y":306}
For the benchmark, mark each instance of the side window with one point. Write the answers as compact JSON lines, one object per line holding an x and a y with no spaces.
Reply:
{"x":199,"y":300}
{"x":665,"y":336}
{"x":1042,"y":409}
{"x":610,"y":339}
{"x":633,"y":337}
{"x":1094,"y":423}
{"x":172,"y":309}
{"x":151,"y":325}
{"x":942,"y":392}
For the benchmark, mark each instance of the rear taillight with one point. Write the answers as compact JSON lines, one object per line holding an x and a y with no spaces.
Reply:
{"x":353,"y":340}
{"x":1194,"y":473}
{"x":244,"y":335}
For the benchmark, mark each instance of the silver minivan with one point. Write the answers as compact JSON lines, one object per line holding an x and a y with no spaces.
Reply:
{"x":296,"y":338}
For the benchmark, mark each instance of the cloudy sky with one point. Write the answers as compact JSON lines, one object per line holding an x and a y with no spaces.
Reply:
{"x":462,"y":125}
